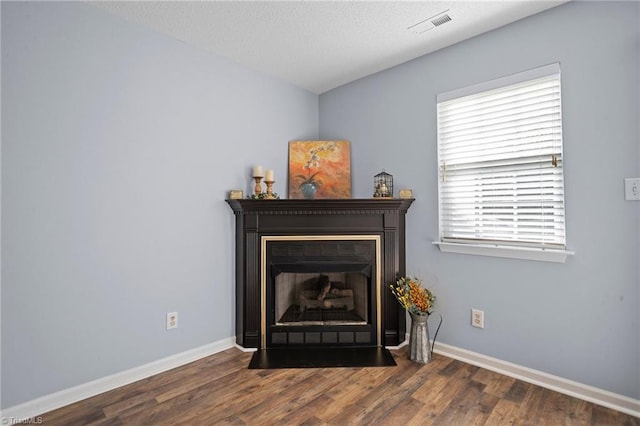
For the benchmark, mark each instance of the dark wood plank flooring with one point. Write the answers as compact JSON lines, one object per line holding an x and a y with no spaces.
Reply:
{"x":221,"y":390}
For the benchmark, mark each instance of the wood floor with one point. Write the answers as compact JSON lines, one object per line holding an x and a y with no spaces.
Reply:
{"x":220,"y":390}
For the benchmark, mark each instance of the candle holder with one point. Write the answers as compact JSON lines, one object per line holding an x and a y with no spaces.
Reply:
{"x":258,"y":188}
{"x":270,"y":195}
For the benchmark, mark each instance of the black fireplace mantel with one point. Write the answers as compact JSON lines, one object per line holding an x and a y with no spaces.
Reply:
{"x":257,"y":218}
{"x":336,"y":206}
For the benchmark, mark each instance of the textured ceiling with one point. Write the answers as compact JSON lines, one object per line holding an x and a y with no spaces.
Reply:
{"x":320,"y":45}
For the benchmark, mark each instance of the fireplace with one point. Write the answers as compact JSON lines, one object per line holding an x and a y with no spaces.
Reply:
{"x":313,"y":273}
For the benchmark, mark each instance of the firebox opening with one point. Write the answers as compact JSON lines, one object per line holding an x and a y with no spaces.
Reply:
{"x":320,"y":291}
{"x":322,"y":298}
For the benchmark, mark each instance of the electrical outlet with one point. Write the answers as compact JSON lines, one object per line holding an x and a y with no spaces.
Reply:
{"x":172,"y":320}
{"x":632,"y":189}
{"x":477,"y":318}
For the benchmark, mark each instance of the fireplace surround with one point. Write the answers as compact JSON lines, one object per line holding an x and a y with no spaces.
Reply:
{"x":316,"y":272}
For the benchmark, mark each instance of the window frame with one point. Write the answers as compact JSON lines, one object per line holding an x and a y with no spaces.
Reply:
{"x":508,"y":249}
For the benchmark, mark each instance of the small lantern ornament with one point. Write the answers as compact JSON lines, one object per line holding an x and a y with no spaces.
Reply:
{"x":383,"y":185}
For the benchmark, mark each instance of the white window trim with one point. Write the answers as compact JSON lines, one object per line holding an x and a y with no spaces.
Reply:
{"x":500,"y":82}
{"x":556,"y":255}
{"x":510,"y":252}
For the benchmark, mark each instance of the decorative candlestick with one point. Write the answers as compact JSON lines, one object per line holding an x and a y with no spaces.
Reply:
{"x":258,"y":174}
{"x":270,"y":195}
{"x":258,"y":188}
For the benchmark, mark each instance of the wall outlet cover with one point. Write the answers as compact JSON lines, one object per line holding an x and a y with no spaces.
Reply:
{"x":477,"y":318}
{"x":172,"y":320}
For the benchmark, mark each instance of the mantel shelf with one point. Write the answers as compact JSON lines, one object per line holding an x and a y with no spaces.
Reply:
{"x":334,"y":205}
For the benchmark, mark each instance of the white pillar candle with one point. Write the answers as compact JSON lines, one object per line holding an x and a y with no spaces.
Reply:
{"x":258,"y":171}
{"x":268,"y":177}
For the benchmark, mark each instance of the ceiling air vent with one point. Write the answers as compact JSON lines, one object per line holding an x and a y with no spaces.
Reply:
{"x":443,"y":19}
{"x":430,"y":23}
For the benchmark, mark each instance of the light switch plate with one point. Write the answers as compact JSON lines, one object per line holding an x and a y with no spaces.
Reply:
{"x":632,"y":189}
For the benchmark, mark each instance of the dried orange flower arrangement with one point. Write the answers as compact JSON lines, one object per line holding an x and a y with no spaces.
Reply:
{"x":412,"y":296}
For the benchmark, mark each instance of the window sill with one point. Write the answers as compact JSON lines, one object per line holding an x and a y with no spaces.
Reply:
{"x":511,"y":252}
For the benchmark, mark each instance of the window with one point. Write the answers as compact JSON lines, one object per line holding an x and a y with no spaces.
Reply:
{"x":501,"y":187}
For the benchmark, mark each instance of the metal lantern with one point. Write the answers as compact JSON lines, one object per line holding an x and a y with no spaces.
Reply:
{"x":383,"y":185}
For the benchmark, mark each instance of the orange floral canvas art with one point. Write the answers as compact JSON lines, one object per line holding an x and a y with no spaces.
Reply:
{"x":319,"y":169}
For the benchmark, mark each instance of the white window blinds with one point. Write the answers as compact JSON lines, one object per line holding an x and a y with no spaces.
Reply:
{"x":500,"y":160}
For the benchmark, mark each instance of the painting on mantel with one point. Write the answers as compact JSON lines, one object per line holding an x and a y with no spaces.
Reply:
{"x":319,"y":169}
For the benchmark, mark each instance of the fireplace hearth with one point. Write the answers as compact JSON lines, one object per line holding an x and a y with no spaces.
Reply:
{"x":315,"y":273}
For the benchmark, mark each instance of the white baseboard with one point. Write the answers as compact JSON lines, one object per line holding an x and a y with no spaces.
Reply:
{"x":400,"y":346}
{"x":598,"y":396}
{"x":243,"y":349}
{"x":64,"y":397}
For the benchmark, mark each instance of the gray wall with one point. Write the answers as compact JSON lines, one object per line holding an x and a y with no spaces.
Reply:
{"x":577,"y":320}
{"x":118,"y":148}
